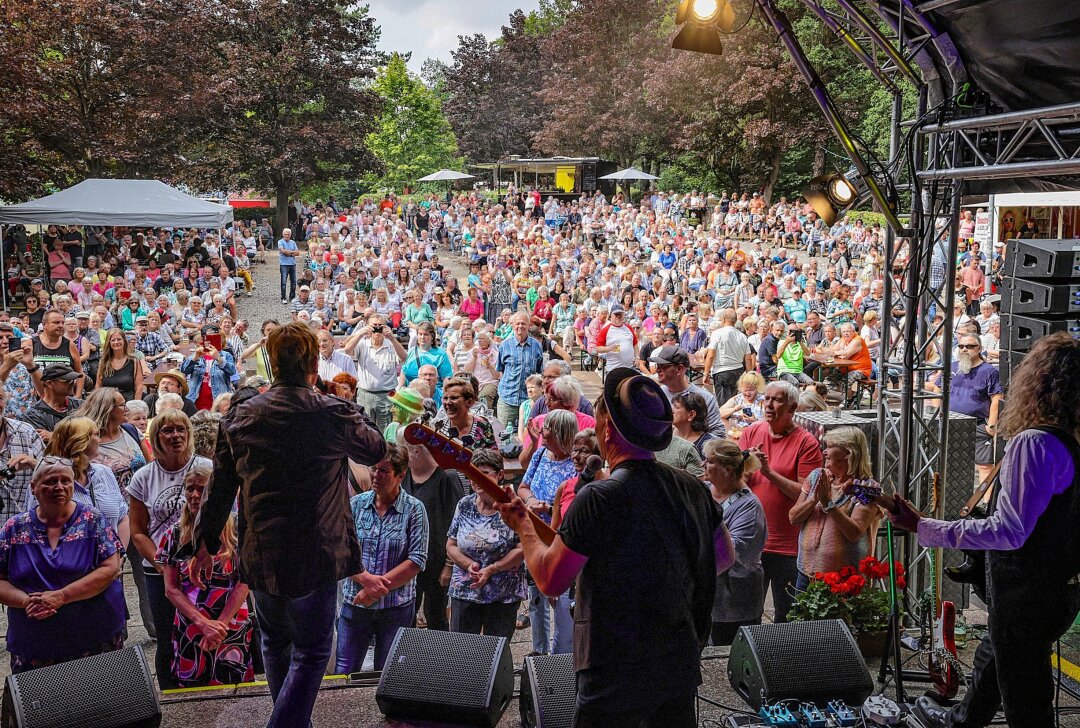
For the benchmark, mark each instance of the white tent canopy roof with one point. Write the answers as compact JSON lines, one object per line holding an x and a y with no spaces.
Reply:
{"x":1070,"y":198}
{"x":628,"y":174}
{"x":444,"y":175}
{"x":127,"y":202}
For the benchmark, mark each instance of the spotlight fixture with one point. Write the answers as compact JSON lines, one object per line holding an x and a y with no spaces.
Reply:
{"x":703,"y":21}
{"x":831,"y":195}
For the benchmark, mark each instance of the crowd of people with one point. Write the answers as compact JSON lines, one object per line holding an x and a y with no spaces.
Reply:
{"x":130,"y":380}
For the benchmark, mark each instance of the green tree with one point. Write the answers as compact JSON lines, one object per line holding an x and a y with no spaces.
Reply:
{"x":288,"y":108}
{"x":412,"y":137}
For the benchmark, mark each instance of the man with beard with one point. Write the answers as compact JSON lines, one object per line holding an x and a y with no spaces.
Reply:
{"x":975,"y":390}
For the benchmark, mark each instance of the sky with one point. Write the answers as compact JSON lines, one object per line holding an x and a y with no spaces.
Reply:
{"x":430,"y":28}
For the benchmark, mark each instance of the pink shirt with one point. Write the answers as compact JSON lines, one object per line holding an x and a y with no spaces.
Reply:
{"x":472,"y":309}
{"x":583,"y":421}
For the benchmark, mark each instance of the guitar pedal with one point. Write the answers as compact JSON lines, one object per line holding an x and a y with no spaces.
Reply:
{"x":811,"y":715}
{"x":842,"y":715}
{"x":881,"y":711}
{"x":778,"y":715}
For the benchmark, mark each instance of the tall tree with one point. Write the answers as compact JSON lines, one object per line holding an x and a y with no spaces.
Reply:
{"x":491,"y":92}
{"x":412,"y":138}
{"x":89,"y":90}
{"x":289,"y":107}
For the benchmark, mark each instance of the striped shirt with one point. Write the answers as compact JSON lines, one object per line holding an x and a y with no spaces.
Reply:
{"x":22,"y":439}
{"x":389,"y":540}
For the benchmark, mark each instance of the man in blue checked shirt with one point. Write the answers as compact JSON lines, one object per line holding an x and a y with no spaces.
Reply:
{"x":393,"y":530}
{"x":519,"y":357}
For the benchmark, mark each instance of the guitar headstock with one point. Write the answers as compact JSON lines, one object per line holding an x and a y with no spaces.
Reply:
{"x":448,"y":453}
{"x":865,"y":491}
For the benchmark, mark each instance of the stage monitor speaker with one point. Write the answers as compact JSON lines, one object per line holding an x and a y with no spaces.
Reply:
{"x":548,"y":691}
{"x":1037,"y":259}
{"x":110,"y":690}
{"x":806,"y":661}
{"x":450,"y":677}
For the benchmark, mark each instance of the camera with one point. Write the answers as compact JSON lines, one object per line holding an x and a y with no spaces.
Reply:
{"x":378,"y":329}
{"x":797,"y":334}
{"x":8,"y":473}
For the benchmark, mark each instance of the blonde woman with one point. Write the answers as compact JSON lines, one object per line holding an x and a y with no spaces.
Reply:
{"x":740,"y":591}
{"x":836,"y":528}
{"x":211,"y":632}
{"x":746,"y":407}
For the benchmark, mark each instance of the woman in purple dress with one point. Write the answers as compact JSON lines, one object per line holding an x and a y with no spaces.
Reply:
{"x":59,"y":564}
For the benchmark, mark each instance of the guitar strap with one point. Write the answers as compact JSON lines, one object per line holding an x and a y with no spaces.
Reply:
{"x":992,"y":482}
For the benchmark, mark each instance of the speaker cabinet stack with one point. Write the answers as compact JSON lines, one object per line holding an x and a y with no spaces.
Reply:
{"x":1041,"y":296}
{"x":446,"y":676}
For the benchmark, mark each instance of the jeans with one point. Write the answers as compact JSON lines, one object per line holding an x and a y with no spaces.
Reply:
{"x":357,"y":626}
{"x":508,"y":415}
{"x":163,"y":612}
{"x":138,"y":576}
{"x":288,"y":273}
{"x":296,"y":640}
{"x":548,"y":640}
{"x":725,"y":384}
{"x":433,"y":596}
{"x":781,"y":573}
{"x":498,"y":619}
{"x":377,"y":407}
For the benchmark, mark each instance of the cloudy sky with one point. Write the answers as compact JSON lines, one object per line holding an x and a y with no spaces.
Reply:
{"x":430,"y":28}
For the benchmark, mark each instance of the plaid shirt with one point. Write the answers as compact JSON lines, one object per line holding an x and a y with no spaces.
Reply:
{"x":386,"y":541}
{"x":22,"y":440}
{"x":151,"y":344}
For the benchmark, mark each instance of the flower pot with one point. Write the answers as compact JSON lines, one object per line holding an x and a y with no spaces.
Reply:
{"x":872,"y":644}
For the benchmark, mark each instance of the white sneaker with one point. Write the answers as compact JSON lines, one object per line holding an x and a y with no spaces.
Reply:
{"x":284,"y":301}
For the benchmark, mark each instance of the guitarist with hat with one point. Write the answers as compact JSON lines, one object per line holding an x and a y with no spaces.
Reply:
{"x":645,"y":545}
{"x":1032,"y":546}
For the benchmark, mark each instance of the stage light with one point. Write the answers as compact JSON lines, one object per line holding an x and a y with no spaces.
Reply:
{"x":705,"y":11}
{"x":833,"y":194}
{"x":703,"y":21}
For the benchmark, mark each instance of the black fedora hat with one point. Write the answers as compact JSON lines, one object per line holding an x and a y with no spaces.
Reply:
{"x":638,"y":408}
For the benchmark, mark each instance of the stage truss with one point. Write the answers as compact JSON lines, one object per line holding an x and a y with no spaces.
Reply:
{"x":953,"y":140}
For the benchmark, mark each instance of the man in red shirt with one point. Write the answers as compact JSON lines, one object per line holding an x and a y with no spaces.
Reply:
{"x":788,"y":454}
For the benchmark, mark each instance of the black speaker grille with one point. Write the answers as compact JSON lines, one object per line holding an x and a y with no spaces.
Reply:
{"x":813,"y":661}
{"x":445,"y":668}
{"x":554,"y":690}
{"x":110,"y":690}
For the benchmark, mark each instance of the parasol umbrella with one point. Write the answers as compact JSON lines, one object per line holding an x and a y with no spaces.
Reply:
{"x":630,"y":173}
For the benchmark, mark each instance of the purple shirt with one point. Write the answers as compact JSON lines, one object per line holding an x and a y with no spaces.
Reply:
{"x":1037,"y":466}
{"x":29,"y":563}
{"x":969,"y":394}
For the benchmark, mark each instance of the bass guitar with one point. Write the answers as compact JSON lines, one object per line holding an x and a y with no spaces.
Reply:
{"x":452,"y":453}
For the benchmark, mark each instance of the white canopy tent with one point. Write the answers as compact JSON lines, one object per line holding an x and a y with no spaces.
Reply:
{"x":126,"y":202}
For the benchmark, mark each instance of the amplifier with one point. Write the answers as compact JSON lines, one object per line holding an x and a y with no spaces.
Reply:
{"x":1036,"y":297}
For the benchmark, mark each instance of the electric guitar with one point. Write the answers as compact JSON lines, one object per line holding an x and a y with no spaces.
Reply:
{"x":451,"y":453}
{"x":942,"y":657}
{"x":942,"y":661}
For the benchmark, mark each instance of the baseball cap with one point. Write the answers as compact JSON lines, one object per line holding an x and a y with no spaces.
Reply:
{"x":59,"y":371}
{"x":141,"y":318}
{"x":617,"y":308}
{"x":670,"y":355}
{"x":82,"y":315}
{"x":305,"y":288}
